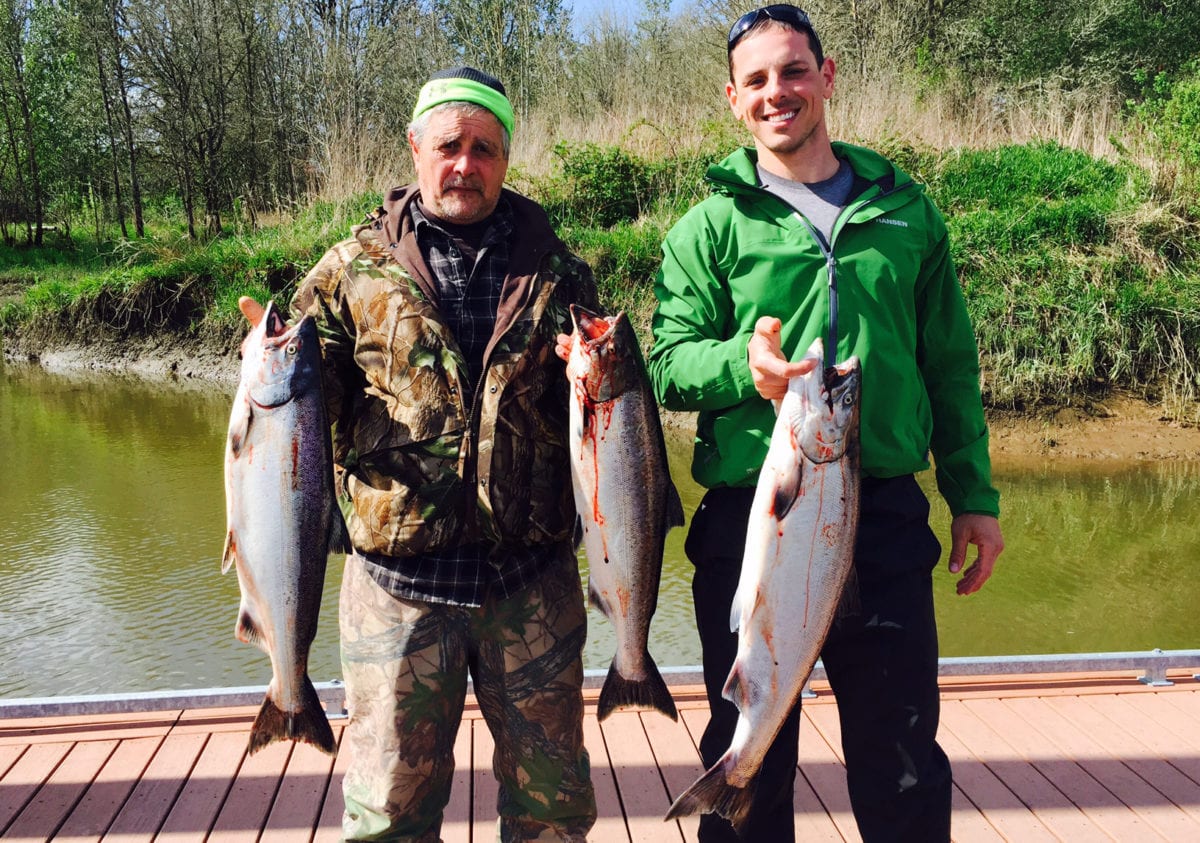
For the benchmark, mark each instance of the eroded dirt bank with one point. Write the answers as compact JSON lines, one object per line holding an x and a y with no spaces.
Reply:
{"x":1118,"y":427}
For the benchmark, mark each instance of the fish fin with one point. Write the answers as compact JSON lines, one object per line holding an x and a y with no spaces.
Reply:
{"x":339,"y":536}
{"x":674,"y":512}
{"x":229,"y":554}
{"x":787,"y":489}
{"x":309,"y":724}
{"x":596,"y":600}
{"x":737,"y":689}
{"x":850,"y":603}
{"x":711,"y":794}
{"x":239,"y":425}
{"x":247,"y":630}
{"x":651,"y":692}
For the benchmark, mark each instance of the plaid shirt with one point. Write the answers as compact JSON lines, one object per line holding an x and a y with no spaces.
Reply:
{"x":469,"y":289}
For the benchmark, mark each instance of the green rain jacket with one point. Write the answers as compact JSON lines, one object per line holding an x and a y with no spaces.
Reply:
{"x":744,"y":253}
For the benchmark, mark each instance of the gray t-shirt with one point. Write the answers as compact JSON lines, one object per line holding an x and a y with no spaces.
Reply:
{"x":820,"y":202}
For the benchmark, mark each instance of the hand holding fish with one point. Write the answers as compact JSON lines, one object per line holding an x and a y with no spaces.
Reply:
{"x":769,"y":368}
{"x":252,"y":310}
{"x":562,"y":347}
{"x":983,"y":531}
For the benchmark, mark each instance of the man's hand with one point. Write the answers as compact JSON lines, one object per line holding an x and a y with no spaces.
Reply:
{"x":252,"y":310}
{"x":769,"y":368}
{"x":983,"y":531}
{"x":563,"y":346}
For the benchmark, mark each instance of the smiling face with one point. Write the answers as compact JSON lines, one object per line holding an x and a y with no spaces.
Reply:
{"x":779,"y":92}
{"x":460,"y":163}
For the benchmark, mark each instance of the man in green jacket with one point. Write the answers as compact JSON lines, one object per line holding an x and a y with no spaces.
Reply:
{"x":438,"y":322}
{"x":806,"y":238}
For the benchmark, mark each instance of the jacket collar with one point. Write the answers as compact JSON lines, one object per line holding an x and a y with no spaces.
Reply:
{"x":737,"y":172}
{"x":534,"y":238}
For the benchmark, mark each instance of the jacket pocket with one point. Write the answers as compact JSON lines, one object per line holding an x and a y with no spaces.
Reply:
{"x":407,"y":500}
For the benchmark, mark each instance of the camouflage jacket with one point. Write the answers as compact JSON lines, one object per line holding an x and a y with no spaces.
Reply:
{"x":419,"y":468}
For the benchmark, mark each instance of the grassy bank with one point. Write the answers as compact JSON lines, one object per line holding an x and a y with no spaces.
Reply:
{"x":1080,"y":274}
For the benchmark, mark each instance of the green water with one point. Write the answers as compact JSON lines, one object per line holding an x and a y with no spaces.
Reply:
{"x":113,"y":521}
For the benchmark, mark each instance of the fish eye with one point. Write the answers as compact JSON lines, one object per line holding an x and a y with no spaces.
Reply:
{"x":290,"y":349}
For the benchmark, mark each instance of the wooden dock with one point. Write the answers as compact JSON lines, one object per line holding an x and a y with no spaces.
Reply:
{"x":1036,"y":757}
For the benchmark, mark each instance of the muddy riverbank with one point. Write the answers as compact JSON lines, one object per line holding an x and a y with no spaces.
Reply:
{"x":1118,"y":427}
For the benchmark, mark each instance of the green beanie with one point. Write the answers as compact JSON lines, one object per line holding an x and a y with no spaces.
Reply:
{"x":466,"y":84}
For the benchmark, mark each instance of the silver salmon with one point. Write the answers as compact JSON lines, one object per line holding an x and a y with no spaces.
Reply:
{"x":624,"y":496}
{"x":282,"y":518}
{"x":799,"y":552}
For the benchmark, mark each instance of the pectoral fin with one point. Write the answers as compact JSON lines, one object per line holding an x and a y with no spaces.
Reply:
{"x":229,"y":554}
{"x":239,"y":425}
{"x":787,"y":489}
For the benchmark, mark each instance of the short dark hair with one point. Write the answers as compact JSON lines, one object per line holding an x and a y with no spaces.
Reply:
{"x":787,"y":16}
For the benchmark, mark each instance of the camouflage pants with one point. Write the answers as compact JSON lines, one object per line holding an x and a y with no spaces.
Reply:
{"x":405,"y":665}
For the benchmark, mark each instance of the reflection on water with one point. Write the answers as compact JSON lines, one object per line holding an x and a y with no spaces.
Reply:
{"x":114,"y":519}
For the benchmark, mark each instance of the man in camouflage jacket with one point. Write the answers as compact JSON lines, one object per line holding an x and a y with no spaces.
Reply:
{"x":449,"y":409}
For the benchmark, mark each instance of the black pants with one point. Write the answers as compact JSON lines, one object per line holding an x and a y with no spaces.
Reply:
{"x":880,"y":658}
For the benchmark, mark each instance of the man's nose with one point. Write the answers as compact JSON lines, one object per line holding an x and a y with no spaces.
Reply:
{"x":464,"y":164}
{"x":774,"y":88}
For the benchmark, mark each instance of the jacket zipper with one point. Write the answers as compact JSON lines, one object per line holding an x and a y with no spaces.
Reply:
{"x":826,"y":248}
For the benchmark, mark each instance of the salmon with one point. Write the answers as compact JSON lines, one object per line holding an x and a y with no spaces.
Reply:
{"x":799,"y":553}
{"x":282,"y":519}
{"x":624,"y":496}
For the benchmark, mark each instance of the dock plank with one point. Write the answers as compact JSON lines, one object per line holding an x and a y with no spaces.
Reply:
{"x":199,"y":802}
{"x":1116,"y":820}
{"x":484,"y":787}
{"x":244,"y":812}
{"x":106,"y":795}
{"x":1047,"y":802}
{"x":1002,"y":808}
{"x":301,"y":796}
{"x":678,"y":760}
{"x":456,"y":819}
{"x":329,"y":826}
{"x":822,"y":768}
{"x":1131,"y":748}
{"x":1037,"y":757}
{"x":643,"y":794}
{"x":1147,"y":717}
{"x":26,"y":776}
{"x":143,"y":813}
{"x":61,"y":790}
{"x":610,"y":821}
{"x":1089,"y":752}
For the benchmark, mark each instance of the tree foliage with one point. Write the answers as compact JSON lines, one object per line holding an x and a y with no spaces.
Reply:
{"x":228,"y":109}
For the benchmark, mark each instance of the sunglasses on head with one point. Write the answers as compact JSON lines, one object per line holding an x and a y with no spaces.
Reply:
{"x":791,"y":15}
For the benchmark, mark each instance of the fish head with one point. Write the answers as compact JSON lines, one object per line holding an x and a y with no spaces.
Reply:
{"x":827,"y":404}
{"x":280,"y":361}
{"x":604,"y":358}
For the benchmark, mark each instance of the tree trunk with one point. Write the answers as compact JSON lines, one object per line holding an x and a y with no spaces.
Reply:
{"x":118,"y":198}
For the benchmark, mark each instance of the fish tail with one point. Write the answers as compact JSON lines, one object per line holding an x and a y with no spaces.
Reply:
{"x":309,"y":724}
{"x":711,"y":794}
{"x":651,"y":692}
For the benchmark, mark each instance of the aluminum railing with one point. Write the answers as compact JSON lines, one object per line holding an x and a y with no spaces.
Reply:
{"x":1154,"y":665}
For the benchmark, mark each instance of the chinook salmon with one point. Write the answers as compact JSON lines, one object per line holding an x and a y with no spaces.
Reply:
{"x":282,"y":518}
{"x":624,"y":496}
{"x":799,"y":551}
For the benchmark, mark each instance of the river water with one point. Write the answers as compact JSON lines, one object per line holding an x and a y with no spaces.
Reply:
{"x":113,"y":521}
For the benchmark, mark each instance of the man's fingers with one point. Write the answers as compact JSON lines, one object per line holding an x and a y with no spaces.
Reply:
{"x":251,"y":309}
{"x":562,"y":346}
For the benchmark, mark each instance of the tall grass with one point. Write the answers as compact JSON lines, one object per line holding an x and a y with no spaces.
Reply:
{"x":1077,"y":244}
